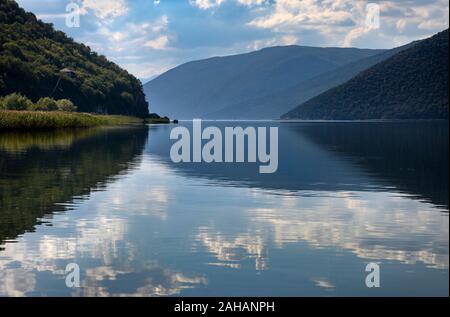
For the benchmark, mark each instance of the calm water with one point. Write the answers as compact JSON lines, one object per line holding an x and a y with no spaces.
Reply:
{"x":345,"y":195}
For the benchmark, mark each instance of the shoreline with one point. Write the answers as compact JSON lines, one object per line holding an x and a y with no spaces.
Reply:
{"x":25,"y":120}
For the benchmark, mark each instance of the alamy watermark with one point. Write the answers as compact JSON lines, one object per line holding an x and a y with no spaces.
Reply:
{"x":373,"y":278}
{"x":373,"y":15}
{"x":226,"y":149}
{"x":73,"y":15}
{"x":72,"y":275}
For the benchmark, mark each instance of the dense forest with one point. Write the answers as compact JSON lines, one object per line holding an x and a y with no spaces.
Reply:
{"x":38,"y":61}
{"x":413,"y":84}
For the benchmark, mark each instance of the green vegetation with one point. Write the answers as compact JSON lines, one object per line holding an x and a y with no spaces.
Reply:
{"x":164,"y":120}
{"x":37,"y":61}
{"x":66,"y":105}
{"x":15,"y":102}
{"x":46,"y":104}
{"x":18,"y":112}
{"x":18,"y":102}
{"x":156,"y":119}
{"x":412,"y":84}
{"x":58,"y":119}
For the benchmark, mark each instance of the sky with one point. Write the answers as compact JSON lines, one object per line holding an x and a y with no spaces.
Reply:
{"x":148,"y":37}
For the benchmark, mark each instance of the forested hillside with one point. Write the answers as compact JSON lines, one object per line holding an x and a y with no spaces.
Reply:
{"x":412,"y":84}
{"x":38,"y":61}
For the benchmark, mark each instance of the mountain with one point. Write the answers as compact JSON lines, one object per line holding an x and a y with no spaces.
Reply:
{"x":273,"y":105}
{"x":413,"y":84}
{"x":38,"y":61}
{"x":222,"y":87}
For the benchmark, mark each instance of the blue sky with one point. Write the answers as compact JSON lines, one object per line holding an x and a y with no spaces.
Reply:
{"x":148,"y":37}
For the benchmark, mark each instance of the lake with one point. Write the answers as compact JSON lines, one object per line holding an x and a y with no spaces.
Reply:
{"x":346,"y":194}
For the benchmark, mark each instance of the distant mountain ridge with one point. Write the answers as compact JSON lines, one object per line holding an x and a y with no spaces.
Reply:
{"x":38,"y":61}
{"x":270,"y":106}
{"x":412,"y":84}
{"x":226,"y":87}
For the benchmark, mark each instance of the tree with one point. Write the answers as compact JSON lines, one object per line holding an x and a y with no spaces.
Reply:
{"x":16,"y":102}
{"x":66,"y":105}
{"x":46,"y":104}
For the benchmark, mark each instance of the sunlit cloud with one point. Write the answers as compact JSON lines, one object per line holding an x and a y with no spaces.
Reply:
{"x":206,"y":4}
{"x":160,"y":43}
{"x":105,"y":8}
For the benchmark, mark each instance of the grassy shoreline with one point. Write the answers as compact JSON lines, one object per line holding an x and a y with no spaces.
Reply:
{"x":57,"y":119}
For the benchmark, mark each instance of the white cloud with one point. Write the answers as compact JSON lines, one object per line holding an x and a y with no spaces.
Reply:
{"x":160,"y":43}
{"x":343,"y":22}
{"x":251,"y":3}
{"x":135,"y":46}
{"x":400,"y":23}
{"x":206,"y":4}
{"x":301,"y":14}
{"x":209,"y":4}
{"x":105,"y":9}
{"x":150,"y":34}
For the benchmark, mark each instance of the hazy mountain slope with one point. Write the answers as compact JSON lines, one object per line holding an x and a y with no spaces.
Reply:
{"x":207,"y":86}
{"x":274,"y":105}
{"x":33,"y":53}
{"x":412,"y":84}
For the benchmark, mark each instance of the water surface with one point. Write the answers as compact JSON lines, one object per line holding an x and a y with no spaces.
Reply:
{"x":112,"y":201}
